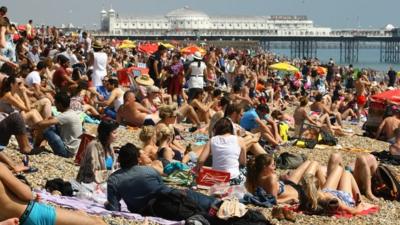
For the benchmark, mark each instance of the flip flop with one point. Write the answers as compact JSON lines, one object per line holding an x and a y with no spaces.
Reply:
{"x":31,"y":169}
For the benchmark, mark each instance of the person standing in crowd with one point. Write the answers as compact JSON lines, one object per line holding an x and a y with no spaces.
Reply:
{"x":392,"y":77}
{"x":29,"y":30}
{"x":195,"y":75}
{"x":155,"y":65}
{"x":98,"y":59}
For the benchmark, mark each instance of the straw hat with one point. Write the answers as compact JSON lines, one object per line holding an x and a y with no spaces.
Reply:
{"x":197,"y":55}
{"x":97,"y":45}
{"x":144,"y":80}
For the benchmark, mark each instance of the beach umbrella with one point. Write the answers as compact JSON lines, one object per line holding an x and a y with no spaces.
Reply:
{"x":125,"y":44}
{"x":167,"y":45}
{"x":192,"y":49}
{"x":282,"y":66}
{"x":322,"y":70}
{"x":148,"y":48}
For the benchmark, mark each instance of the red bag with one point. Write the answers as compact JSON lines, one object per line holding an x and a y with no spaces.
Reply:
{"x":207,"y":177}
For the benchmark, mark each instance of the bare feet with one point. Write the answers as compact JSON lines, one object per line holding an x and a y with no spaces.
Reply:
{"x":372,"y":197}
{"x":12,"y":221}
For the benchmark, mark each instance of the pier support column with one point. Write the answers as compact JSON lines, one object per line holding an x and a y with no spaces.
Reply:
{"x":390,"y":51}
{"x":349,"y":49}
{"x":305,"y":48}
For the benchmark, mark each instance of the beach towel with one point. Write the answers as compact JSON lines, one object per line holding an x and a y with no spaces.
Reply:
{"x":341,"y":213}
{"x":260,"y":198}
{"x":95,"y":208}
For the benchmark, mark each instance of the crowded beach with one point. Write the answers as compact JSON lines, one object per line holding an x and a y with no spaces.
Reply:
{"x":108,"y":131}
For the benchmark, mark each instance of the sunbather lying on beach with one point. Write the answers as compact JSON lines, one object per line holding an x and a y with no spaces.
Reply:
{"x":19,"y":202}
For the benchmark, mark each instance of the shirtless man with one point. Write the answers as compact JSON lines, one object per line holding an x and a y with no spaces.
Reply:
{"x":133,"y":113}
{"x":387,"y":127}
{"x":361,"y":92}
{"x":319,"y":107}
{"x":19,"y":202}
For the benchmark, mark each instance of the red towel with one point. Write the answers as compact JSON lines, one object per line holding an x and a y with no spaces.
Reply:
{"x":340,"y":214}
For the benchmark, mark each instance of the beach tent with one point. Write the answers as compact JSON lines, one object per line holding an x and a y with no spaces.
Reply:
{"x":283,"y":67}
{"x":148,"y":48}
{"x":192,"y":49}
{"x":378,"y":108}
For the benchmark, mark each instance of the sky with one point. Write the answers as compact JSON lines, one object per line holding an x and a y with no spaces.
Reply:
{"x":324,"y":13}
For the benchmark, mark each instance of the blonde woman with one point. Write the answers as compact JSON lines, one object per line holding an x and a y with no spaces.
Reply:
{"x":148,"y":137}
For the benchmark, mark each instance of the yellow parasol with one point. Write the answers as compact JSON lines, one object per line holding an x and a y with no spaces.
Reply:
{"x":127,"y":44}
{"x":167,"y":45}
{"x":283,"y":67}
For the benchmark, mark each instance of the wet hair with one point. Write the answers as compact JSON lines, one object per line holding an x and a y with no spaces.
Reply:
{"x":105,"y":128}
{"x":254,"y":169}
{"x":223,"y":126}
{"x":128,"y":156}
{"x":63,"y":99}
{"x":146,"y":133}
{"x":303,"y":101}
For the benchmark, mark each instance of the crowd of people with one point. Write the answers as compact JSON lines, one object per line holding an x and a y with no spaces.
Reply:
{"x":52,"y":83}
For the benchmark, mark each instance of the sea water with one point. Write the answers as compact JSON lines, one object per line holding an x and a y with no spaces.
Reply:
{"x":367,"y":58}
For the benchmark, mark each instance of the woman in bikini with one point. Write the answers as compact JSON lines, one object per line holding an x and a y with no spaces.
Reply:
{"x":261,"y":174}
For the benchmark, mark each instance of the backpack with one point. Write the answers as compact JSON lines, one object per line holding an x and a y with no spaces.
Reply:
{"x":284,"y":131}
{"x":59,"y":185}
{"x":385,"y":184}
{"x":287,"y":160}
{"x":172,"y":205}
{"x":327,"y":139}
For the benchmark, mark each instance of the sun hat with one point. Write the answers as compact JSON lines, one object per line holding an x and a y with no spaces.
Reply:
{"x":197,"y":55}
{"x":97,"y":44}
{"x":144,"y":80}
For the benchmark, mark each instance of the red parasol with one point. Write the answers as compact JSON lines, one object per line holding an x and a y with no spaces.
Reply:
{"x":192,"y":49}
{"x":148,"y":48}
{"x":392,"y":96}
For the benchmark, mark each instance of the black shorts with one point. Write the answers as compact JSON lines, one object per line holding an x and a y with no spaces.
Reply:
{"x":13,"y":124}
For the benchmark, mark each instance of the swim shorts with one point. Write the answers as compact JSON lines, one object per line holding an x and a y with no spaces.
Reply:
{"x":38,"y":214}
{"x":361,"y":100}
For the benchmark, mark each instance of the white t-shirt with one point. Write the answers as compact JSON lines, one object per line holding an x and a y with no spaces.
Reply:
{"x":99,"y":68}
{"x":196,"y":79}
{"x":225,"y":154}
{"x":33,"y":78}
{"x":70,"y":127}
